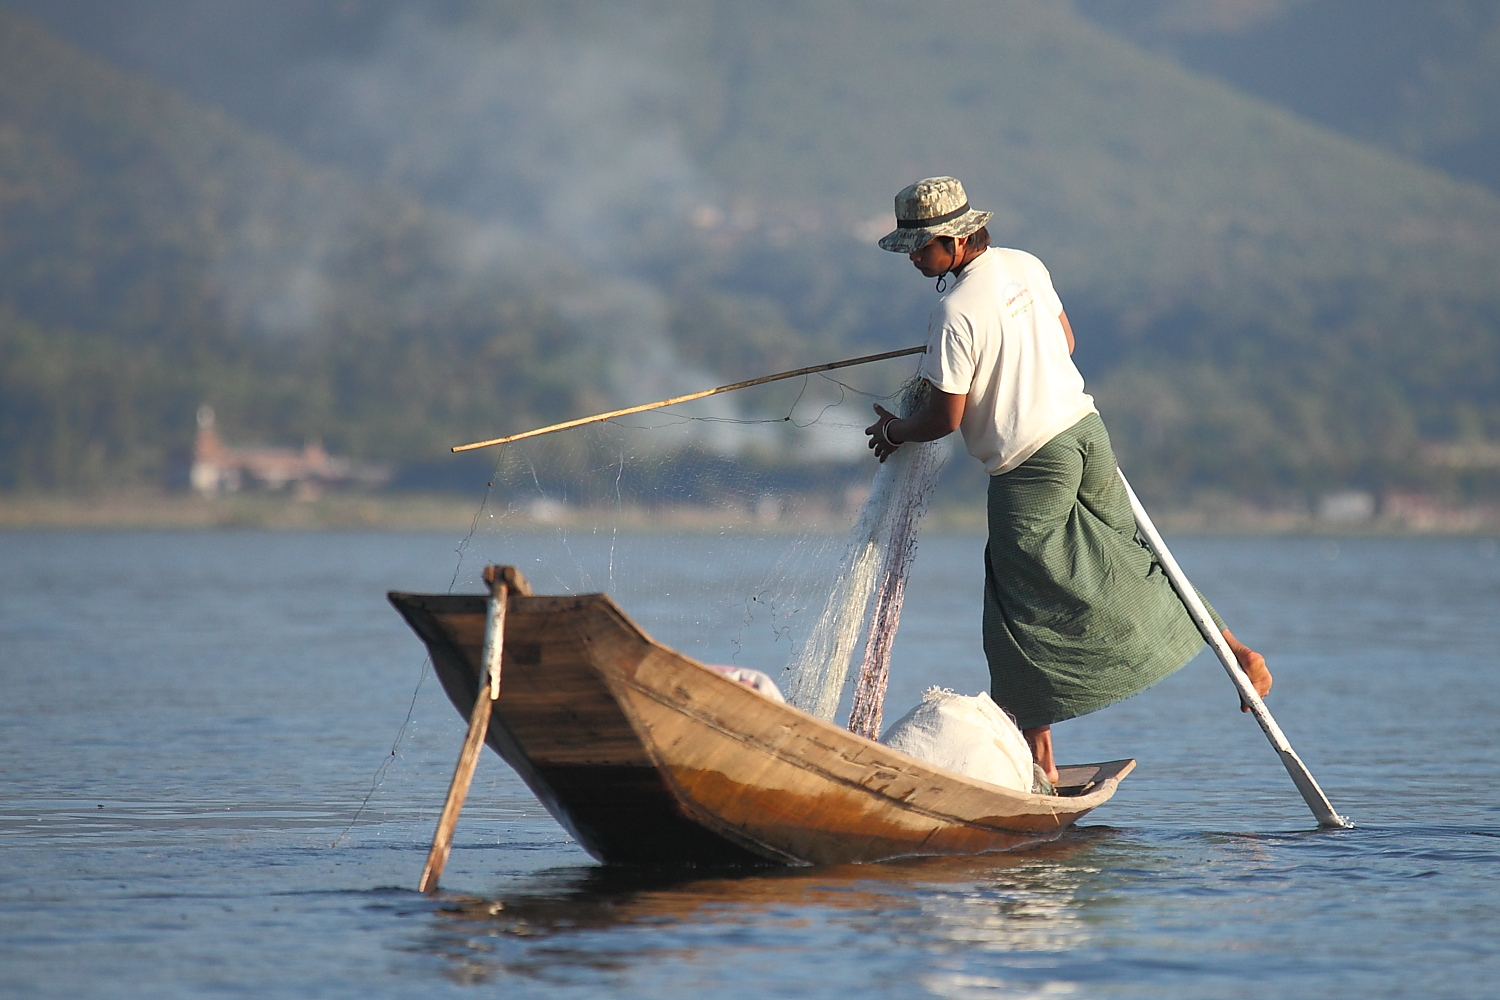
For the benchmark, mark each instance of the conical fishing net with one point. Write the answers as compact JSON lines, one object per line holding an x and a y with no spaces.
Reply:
{"x":866,"y":597}
{"x":752,"y":529}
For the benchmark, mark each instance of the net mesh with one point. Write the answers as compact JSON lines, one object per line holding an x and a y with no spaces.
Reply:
{"x":723,"y":528}
{"x":866,"y":596}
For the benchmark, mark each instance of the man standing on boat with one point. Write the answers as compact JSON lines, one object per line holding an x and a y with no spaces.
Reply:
{"x":1077,"y":613}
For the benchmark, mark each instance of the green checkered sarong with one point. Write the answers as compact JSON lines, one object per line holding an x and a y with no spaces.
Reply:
{"x":1077,"y":612}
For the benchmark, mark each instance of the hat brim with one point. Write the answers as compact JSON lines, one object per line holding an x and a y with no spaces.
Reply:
{"x":911,"y":240}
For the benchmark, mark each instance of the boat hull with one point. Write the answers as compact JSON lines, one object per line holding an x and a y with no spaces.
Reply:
{"x":647,"y":757}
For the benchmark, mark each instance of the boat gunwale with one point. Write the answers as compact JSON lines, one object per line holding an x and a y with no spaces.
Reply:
{"x":1055,"y":805}
{"x":1077,"y":803}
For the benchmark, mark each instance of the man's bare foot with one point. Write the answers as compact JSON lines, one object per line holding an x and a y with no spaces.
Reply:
{"x":1039,"y":738}
{"x":1253,"y":664}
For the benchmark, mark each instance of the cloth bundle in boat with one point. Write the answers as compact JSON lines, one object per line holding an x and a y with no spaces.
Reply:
{"x":755,"y":680}
{"x":967,"y":734}
{"x":1077,"y":613}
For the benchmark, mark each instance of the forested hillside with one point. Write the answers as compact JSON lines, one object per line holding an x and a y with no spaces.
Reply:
{"x":155,"y":256}
{"x":1260,"y":302}
{"x":1418,"y":77}
{"x":473,"y":201}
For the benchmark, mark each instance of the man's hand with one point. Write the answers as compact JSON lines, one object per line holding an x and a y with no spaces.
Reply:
{"x":879,"y":432}
{"x":1253,"y":664}
{"x":938,"y":417}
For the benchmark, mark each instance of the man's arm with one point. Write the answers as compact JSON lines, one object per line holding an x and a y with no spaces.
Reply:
{"x":938,"y":417}
{"x":1062,"y":318}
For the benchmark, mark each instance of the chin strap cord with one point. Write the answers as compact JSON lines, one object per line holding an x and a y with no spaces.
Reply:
{"x":960,"y":247}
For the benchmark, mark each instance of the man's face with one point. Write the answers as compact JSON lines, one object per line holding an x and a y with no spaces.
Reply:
{"x":937,"y":257}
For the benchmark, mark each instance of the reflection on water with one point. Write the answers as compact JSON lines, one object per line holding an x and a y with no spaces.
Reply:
{"x":580,"y":919}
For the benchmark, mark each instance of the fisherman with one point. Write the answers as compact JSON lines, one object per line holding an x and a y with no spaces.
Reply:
{"x":1077,"y":613}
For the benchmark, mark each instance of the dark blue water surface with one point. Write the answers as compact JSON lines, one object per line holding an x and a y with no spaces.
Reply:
{"x":191,"y":722}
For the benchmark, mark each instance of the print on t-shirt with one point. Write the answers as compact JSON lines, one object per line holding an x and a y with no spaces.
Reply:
{"x":1017,"y":300}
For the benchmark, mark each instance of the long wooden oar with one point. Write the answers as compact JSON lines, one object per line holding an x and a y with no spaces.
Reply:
{"x":596,"y":418}
{"x":1321,"y":808}
{"x":502,"y":580}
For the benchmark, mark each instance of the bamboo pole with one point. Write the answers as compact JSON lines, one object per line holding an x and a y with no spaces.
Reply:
{"x":502,"y":580}
{"x":1312,"y":794}
{"x":596,"y":418}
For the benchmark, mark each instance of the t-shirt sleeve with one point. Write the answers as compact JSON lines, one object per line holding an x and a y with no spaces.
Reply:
{"x":950,"y":361}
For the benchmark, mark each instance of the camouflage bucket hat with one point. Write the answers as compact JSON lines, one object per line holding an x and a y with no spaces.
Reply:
{"x":933,"y":207}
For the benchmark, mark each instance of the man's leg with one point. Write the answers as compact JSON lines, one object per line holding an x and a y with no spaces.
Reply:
{"x":1253,"y":664}
{"x":1028,"y":509}
{"x":1039,"y":738}
{"x":1101,"y":491}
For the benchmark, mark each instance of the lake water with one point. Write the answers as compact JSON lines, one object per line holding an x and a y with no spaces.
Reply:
{"x":192,"y":721}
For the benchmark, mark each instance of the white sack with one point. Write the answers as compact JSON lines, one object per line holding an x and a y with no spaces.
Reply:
{"x":755,"y":680}
{"x":970,"y":735}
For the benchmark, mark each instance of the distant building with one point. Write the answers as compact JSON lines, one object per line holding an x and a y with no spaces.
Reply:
{"x":219,"y":468}
{"x":1347,"y":507}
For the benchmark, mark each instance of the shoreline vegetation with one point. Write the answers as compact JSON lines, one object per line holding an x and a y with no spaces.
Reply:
{"x":140,"y":509}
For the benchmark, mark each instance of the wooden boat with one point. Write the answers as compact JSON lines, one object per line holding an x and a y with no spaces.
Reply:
{"x":648,"y":757}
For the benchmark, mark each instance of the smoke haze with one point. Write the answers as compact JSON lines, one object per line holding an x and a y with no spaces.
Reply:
{"x":559,"y":160}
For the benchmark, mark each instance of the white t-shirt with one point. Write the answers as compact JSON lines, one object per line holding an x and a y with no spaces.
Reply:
{"x":996,"y":337}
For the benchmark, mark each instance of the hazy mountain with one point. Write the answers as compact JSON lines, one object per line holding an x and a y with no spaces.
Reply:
{"x":1419,"y":77}
{"x":1261,"y":303}
{"x":155,"y":255}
